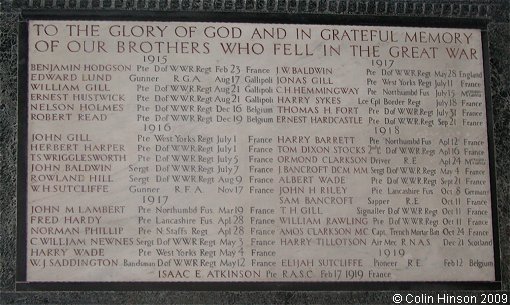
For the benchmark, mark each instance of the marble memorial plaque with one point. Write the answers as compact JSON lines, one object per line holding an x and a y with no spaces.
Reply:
{"x":246,"y":152}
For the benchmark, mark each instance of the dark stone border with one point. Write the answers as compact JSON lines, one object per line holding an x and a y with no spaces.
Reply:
{"x":499,"y":53}
{"x":8,"y":148}
{"x":495,"y":12}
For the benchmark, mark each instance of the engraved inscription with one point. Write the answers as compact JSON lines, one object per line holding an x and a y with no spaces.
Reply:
{"x":225,"y":152}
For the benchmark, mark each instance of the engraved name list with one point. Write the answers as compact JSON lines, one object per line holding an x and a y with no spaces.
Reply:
{"x":227,"y":152}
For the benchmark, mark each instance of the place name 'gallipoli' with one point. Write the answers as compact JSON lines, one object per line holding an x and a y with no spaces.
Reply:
{"x":258,"y":90}
{"x":258,"y":80}
{"x":259,"y":100}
